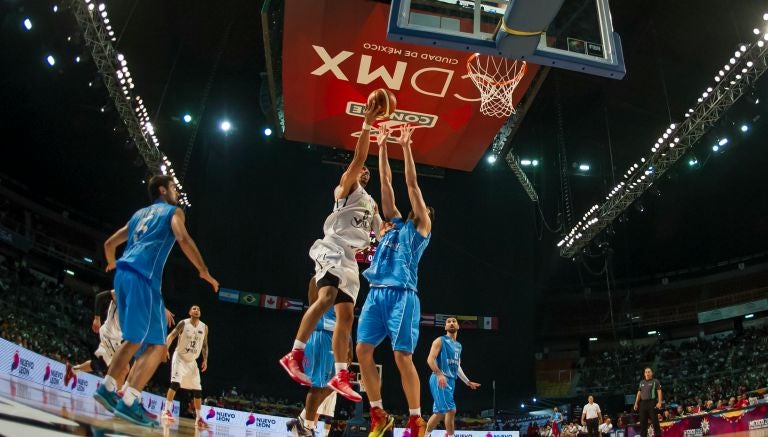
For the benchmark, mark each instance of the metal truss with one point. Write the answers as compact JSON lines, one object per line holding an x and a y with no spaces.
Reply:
{"x":105,"y":58}
{"x":736,"y":78}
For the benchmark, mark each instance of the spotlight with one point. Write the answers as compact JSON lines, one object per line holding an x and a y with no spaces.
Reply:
{"x":692,"y":162}
{"x":77,"y":58}
{"x":722,"y":142}
{"x":749,"y":316}
{"x":639,"y":206}
{"x":268,"y":132}
{"x":592,"y":338}
{"x":51,"y":60}
{"x":491,"y":159}
{"x":715,"y":148}
{"x":187,"y":118}
{"x":534,"y":400}
{"x":584,"y":167}
{"x":522,"y":405}
{"x":28,"y":24}
{"x":744,"y":127}
{"x":55,"y":8}
{"x":225,"y":125}
{"x":535,"y":162}
{"x":652,"y":332}
{"x":525,"y":162}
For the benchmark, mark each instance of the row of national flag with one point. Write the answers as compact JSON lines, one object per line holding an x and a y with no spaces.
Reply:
{"x":465,"y":322}
{"x":262,"y":300}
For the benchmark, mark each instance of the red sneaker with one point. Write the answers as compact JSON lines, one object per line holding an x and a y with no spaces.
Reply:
{"x":381,"y":422}
{"x":200,"y":423}
{"x":69,"y":373}
{"x":293,"y":363}
{"x":340,"y":384}
{"x":417,"y":426}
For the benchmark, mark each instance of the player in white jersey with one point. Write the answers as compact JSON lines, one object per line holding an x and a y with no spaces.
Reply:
{"x":346,"y":231}
{"x":193,"y":341}
{"x":110,"y":338}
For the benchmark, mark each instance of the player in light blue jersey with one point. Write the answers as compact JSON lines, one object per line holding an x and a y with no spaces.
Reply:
{"x":445,"y":361}
{"x":392,"y":307}
{"x":319,"y":367}
{"x":150,"y":235}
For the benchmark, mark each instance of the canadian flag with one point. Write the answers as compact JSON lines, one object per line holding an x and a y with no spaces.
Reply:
{"x":269,"y":301}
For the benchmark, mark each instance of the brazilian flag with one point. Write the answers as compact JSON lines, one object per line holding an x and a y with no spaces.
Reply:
{"x":251,"y":299}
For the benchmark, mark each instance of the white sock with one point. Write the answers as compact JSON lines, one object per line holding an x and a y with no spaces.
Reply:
{"x":130,"y":395}
{"x":379,"y":404}
{"x":125,"y":385}
{"x":415,"y":411}
{"x":340,"y":366}
{"x":309,"y":424}
{"x":299,"y":345}
{"x":199,"y":414}
{"x":109,"y":383}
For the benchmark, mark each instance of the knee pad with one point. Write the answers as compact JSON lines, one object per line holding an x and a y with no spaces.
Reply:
{"x":175,"y":386}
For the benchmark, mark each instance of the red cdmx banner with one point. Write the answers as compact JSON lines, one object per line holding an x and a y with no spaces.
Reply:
{"x":335,"y":52}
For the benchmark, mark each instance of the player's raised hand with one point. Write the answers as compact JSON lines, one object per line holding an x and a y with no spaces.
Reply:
{"x":206,"y":276}
{"x":441,"y":381}
{"x":473,"y":385}
{"x":405,"y":135}
{"x":169,"y":318}
{"x":381,"y":138}
{"x":372,"y":110}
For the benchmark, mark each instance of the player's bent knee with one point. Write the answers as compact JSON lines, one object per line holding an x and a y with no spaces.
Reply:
{"x":364,"y":351}
{"x":175,"y":386}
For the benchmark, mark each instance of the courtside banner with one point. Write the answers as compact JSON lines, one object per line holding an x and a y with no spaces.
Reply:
{"x":402,"y":432}
{"x":335,"y":53}
{"x":243,"y":419}
{"x":18,"y":362}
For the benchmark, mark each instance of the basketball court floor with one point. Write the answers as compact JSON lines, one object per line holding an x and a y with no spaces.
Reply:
{"x":30,"y":410}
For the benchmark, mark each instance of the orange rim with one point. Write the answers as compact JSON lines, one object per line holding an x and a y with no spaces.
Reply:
{"x":481,"y":77}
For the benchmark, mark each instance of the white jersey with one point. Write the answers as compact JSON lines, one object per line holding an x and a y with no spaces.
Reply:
{"x":190,"y":340}
{"x":352,"y":220}
{"x":111,"y":327}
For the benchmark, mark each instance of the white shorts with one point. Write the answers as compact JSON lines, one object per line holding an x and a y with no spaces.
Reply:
{"x":107,"y":348}
{"x":339,"y":261}
{"x":327,"y":408}
{"x":185,"y":373}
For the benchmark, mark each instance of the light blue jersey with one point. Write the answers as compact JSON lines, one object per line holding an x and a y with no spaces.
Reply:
{"x":150,"y":240}
{"x":327,"y":322}
{"x":396,"y":263}
{"x":449,"y":358}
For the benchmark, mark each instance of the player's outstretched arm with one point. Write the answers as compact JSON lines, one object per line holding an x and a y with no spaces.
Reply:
{"x":419,"y":207}
{"x":189,"y":248}
{"x":463,"y":377}
{"x":204,"y":365}
{"x":349,"y":178}
{"x":110,"y":246}
{"x":388,"y":207}
{"x":432,"y":362}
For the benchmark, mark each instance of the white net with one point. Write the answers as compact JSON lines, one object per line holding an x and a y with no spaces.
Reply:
{"x":496,"y":78}
{"x":355,"y":368}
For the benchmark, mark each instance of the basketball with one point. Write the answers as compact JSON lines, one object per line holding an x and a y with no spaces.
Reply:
{"x":386,"y":100}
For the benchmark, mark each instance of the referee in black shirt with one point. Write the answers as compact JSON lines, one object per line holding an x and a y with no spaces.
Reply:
{"x":648,"y":400}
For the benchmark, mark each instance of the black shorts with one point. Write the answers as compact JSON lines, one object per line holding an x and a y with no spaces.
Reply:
{"x":329,"y":280}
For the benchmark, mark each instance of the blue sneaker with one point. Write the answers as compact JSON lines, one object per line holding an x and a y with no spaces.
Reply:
{"x":135,"y":413}
{"x":107,"y":399}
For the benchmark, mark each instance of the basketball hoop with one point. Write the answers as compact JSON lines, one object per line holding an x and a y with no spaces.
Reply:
{"x":496,"y":78}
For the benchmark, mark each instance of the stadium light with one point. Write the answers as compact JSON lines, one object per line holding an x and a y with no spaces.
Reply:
{"x":267,"y":131}
{"x":749,"y":316}
{"x":28,"y":24}
{"x":187,"y":118}
{"x":525,"y":162}
{"x":69,"y":272}
{"x":584,"y":167}
{"x":715,"y":148}
{"x":51,"y":60}
{"x":722,"y":142}
{"x":535,"y":162}
{"x":652,"y":332}
{"x":522,"y":405}
{"x":592,"y":338}
{"x":491,"y":159}
{"x":225,"y":125}
{"x":744,"y":128}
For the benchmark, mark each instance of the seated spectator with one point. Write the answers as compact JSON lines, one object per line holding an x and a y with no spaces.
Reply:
{"x":606,"y":427}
